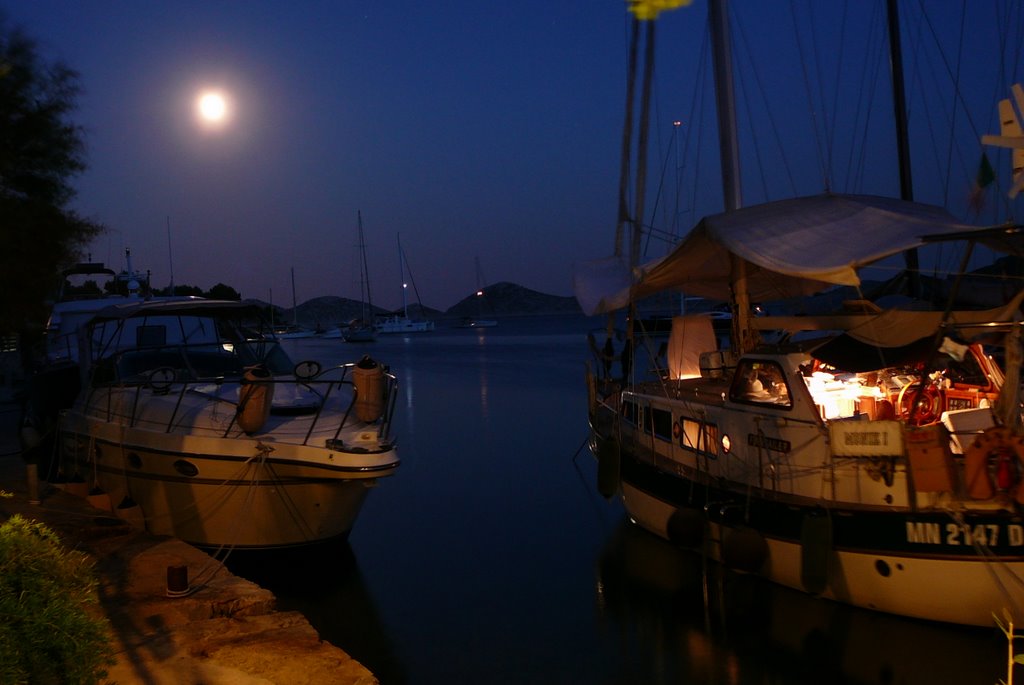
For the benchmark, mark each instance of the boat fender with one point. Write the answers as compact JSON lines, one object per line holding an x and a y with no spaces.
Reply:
{"x":100,"y":499}
{"x":686,"y":527}
{"x":608,"y":466}
{"x":77,"y":486}
{"x":255,"y":396}
{"x":815,"y":551}
{"x":994,"y":450}
{"x":30,"y":435}
{"x":368,"y":379}
{"x":744,"y":549}
{"x":131,"y":513}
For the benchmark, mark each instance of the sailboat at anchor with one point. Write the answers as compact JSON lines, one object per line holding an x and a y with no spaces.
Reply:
{"x":478,"y":321}
{"x":401,"y":323}
{"x":870,"y":457}
{"x":362,"y":329}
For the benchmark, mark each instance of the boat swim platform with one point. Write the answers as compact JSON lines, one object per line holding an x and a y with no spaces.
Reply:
{"x":221,"y":631}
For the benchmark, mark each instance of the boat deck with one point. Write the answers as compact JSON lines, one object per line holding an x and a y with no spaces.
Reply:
{"x":703,"y":390}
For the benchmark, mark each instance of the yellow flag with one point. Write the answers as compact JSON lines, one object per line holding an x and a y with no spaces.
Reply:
{"x":649,"y":9}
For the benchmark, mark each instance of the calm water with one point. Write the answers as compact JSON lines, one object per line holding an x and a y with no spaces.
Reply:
{"x":490,"y":557}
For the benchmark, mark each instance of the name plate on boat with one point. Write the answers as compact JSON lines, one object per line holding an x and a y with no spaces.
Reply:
{"x":866,"y":438}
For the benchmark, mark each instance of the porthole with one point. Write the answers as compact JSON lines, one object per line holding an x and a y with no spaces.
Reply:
{"x":883,"y":568}
{"x":134,"y":460}
{"x":186,"y":468}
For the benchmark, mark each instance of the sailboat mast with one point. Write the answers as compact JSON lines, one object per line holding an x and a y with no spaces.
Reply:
{"x":479,"y":287}
{"x":295,"y":307}
{"x":401,"y":275}
{"x":725,"y":99}
{"x":728,"y":144}
{"x":364,"y":275}
{"x":899,"y":100}
{"x":170,"y":258}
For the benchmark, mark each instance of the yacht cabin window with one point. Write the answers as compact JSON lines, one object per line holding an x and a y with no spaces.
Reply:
{"x":760,"y":382}
{"x":659,"y":423}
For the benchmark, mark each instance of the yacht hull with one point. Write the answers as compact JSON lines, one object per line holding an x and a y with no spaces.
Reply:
{"x":235,"y":492}
{"x":931,"y":565}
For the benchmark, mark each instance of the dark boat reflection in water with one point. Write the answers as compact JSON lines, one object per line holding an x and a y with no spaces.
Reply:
{"x":326,"y":585}
{"x":686,"y":620}
{"x":492,"y":559}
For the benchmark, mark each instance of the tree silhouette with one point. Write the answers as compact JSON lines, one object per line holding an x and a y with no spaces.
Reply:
{"x":223,"y":292}
{"x":41,"y":150}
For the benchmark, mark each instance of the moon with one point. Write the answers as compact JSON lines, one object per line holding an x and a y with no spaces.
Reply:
{"x":212,"y":107}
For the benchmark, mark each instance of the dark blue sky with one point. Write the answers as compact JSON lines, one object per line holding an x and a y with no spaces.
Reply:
{"x":483,"y":129}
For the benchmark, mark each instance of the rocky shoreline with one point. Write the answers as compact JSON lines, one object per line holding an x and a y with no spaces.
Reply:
{"x":217,"y":629}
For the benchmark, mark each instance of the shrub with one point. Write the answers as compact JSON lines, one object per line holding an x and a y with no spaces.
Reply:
{"x":47,"y":633}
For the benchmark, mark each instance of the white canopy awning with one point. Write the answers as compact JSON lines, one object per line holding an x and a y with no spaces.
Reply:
{"x":792,"y":247}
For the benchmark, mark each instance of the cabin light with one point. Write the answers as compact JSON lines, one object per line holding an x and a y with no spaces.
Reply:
{"x":726,"y":444}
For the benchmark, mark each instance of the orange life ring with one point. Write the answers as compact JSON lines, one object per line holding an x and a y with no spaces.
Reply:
{"x":996,"y":445}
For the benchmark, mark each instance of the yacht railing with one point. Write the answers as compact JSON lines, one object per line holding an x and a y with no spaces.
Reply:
{"x":184,"y":370}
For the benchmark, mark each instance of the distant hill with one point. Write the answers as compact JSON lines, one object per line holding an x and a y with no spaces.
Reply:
{"x":504,"y":298}
{"x":511,"y":299}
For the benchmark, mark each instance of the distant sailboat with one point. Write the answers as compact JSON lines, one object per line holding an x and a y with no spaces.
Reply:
{"x":292,"y":330}
{"x":362,"y":329}
{"x":478,"y":321}
{"x":403,"y":324}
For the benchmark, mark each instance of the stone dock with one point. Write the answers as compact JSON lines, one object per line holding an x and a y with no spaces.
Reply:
{"x":222,"y":630}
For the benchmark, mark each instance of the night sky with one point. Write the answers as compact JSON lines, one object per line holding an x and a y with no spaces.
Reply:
{"x":485,"y":129}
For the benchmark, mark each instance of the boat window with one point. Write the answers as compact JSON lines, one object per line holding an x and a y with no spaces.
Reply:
{"x":659,"y":423}
{"x":278,"y":361}
{"x":150,"y":336}
{"x":966,"y":372}
{"x":269,"y":353}
{"x":762,"y":382}
{"x":697,"y":436}
{"x":629,"y":412}
{"x":213,"y":361}
{"x":136,"y":364}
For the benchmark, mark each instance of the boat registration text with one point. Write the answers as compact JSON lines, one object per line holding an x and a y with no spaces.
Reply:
{"x":954,"y":534}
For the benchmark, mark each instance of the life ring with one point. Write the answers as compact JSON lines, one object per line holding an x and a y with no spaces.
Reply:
{"x":924,"y":404}
{"x":989,"y":467}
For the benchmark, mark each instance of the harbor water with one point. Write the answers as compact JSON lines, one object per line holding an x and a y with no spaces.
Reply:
{"x":491,"y":558}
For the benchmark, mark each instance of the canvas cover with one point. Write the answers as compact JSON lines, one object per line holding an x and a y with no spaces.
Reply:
{"x":792,"y":248}
{"x":897,"y":327}
{"x":691,"y":336}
